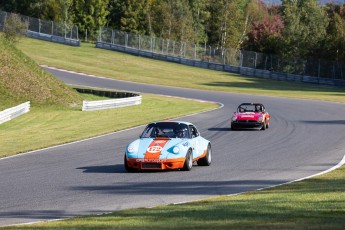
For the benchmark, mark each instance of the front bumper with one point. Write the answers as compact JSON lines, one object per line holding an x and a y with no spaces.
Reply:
{"x":247,"y":124}
{"x":149,"y":164}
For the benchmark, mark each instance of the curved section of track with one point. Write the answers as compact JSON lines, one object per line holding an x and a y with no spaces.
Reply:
{"x":87,"y":177}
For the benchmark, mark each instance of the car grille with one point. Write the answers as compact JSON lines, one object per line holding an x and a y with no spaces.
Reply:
{"x":151,"y":166}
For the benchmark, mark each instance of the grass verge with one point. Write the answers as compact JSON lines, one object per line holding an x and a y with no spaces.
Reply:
{"x":117,"y":65}
{"x":48,"y":126}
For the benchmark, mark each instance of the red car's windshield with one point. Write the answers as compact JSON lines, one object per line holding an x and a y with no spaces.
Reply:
{"x":249,"y":108}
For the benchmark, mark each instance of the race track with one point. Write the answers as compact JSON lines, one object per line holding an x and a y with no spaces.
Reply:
{"x":88,"y":177}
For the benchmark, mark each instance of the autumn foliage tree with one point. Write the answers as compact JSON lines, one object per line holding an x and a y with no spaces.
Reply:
{"x":265,"y":35}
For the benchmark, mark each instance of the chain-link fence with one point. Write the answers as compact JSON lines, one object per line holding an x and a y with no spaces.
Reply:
{"x":228,"y":57}
{"x":46,"y":30}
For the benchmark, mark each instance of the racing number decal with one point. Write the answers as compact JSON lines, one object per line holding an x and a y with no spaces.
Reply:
{"x":155,"y":149}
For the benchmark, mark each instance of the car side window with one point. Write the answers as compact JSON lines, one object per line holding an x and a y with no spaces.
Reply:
{"x":193,"y":131}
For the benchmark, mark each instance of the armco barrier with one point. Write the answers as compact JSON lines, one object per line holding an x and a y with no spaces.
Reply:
{"x":247,"y":71}
{"x":53,"y":38}
{"x":110,"y":104}
{"x":11,"y":113}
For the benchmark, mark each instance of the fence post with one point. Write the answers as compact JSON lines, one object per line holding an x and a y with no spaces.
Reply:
{"x":52,"y":27}
{"x":126,"y":40}
{"x":139,"y":41}
{"x":28,"y":24}
{"x":255,"y":60}
{"x":241,"y":59}
{"x":319,"y":71}
{"x":210,"y":53}
{"x":112,"y":36}
{"x":194,"y":52}
{"x":39,"y":25}
{"x":151,"y":44}
{"x":162,"y":46}
{"x":77,"y":32}
{"x":3,"y":28}
{"x":173,"y":48}
{"x":64,"y":23}
{"x":224,"y":55}
{"x":100,"y":34}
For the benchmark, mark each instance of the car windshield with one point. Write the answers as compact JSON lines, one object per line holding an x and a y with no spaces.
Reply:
{"x":249,"y":108}
{"x":166,"y":129}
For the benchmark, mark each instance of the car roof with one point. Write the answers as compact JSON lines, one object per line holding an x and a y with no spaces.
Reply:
{"x":251,"y":104}
{"x":179,"y":122}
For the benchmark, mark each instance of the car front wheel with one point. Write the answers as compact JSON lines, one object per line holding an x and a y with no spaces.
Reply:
{"x":188,"y":163}
{"x":128,"y":169}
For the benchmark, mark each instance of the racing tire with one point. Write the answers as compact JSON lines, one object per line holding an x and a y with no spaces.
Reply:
{"x":206,"y":161}
{"x":188,"y":163}
{"x":128,"y":169}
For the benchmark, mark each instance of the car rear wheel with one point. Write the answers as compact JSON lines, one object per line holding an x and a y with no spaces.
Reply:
{"x":206,"y":161}
{"x":188,"y":163}
{"x":128,"y":169}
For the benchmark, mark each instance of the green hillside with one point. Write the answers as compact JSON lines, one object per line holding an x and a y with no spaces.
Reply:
{"x":21,"y":80}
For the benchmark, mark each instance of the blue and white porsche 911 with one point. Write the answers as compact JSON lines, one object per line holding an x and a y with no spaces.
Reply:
{"x":168,"y":145}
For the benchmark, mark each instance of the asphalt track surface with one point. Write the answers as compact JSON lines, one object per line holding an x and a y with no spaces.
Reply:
{"x":88,"y":177}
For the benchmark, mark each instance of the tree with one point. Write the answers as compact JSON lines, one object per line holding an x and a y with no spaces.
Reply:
{"x":335,"y":42}
{"x":134,"y":17}
{"x":89,"y":15}
{"x":226,"y":23}
{"x":305,"y":27}
{"x":200,"y":16}
{"x":265,"y":35}
{"x":172,"y":19}
{"x":14,"y":28}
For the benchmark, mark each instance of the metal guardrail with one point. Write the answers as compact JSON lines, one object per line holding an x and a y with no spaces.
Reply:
{"x":53,"y":38}
{"x":11,"y":113}
{"x":248,"y":71}
{"x":110,"y":104}
{"x":62,"y":33}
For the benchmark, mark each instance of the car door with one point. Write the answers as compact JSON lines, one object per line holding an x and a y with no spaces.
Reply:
{"x":195,"y":141}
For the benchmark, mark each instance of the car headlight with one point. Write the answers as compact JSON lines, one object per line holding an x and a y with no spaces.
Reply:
{"x":261,"y":118}
{"x":130,"y":149}
{"x":234,"y":118}
{"x":176,"y":150}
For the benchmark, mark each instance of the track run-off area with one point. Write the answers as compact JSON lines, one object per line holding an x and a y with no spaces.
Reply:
{"x":88,"y":177}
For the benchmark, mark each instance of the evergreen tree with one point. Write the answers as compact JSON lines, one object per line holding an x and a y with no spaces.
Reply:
{"x":89,"y":15}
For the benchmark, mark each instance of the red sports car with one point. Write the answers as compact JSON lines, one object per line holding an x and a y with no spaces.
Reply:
{"x":250,"y":116}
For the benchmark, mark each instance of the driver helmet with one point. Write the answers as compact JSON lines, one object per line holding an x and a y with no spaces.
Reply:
{"x":181,"y":133}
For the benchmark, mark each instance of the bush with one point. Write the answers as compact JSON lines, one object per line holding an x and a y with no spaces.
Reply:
{"x":14,"y":28}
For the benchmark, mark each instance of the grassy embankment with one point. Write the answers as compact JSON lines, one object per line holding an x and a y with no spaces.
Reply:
{"x":312,"y":204}
{"x":116,"y":65}
{"x":56,"y":115}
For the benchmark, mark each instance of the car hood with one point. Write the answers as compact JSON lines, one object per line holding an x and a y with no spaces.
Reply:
{"x":248,"y":115}
{"x":159,"y":148}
